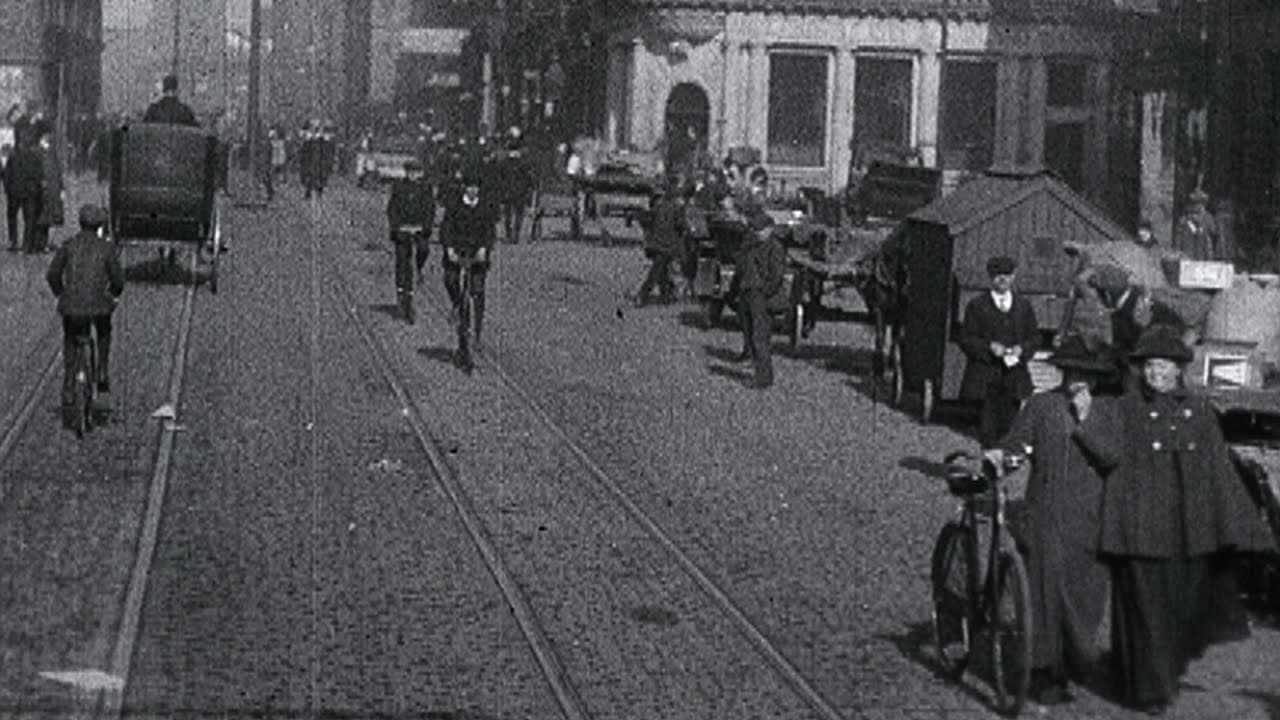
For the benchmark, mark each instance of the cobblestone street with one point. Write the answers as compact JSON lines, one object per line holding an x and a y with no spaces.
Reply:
{"x":651,"y":539}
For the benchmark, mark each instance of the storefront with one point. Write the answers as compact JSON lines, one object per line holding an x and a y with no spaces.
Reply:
{"x":813,"y":85}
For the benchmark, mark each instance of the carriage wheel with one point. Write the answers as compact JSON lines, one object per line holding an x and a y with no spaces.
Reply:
{"x":217,"y":250}
{"x":713,"y":311}
{"x":535,"y":232}
{"x":797,"y":325}
{"x":928,"y":401}
{"x":895,"y":368}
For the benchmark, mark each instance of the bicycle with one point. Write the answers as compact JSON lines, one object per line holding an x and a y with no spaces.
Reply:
{"x":466,"y":304}
{"x":410,"y":234}
{"x":85,"y":392}
{"x":982,"y":590}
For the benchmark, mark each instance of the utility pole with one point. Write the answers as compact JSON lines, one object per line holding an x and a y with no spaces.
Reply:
{"x":255,"y":71}
{"x":177,"y":33}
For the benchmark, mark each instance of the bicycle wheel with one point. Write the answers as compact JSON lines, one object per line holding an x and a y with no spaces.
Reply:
{"x":465,"y":309}
{"x":81,"y":400}
{"x":953,"y":583}
{"x":1011,"y":634}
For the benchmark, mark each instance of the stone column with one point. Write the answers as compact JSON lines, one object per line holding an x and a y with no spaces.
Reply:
{"x":616,"y":97}
{"x":746,"y":91}
{"x":928,"y":91}
{"x":1011,"y":115}
{"x":757,"y":118}
{"x":842,"y":118}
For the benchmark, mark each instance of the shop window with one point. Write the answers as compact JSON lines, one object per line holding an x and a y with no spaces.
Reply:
{"x":968,"y":114}
{"x":797,"y":109}
{"x":1064,"y":152}
{"x":882,"y":104}
{"x":1067,"y":82}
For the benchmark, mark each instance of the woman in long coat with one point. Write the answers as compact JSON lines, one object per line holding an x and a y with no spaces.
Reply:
{"x":1068,"y":581}
{"x":50,"y":208}
{"x":1172,"y":511}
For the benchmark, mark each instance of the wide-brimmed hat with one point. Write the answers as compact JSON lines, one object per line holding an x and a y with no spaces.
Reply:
{"x":1074,"y":354}
{"x":1161,"y":341}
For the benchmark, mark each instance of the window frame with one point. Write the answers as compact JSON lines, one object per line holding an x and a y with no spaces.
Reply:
{"x":828,"y":54}
{"x":913,"y":111}
{"x":943,"y":141}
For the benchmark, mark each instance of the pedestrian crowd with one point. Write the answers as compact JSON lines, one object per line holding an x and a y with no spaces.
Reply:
{"x":1133,"y":501}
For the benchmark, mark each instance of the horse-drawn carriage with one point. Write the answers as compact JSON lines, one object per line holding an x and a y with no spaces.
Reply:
{"x":163,"y":187}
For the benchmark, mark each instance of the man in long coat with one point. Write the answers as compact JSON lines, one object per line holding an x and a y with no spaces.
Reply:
{"x":1069,"y":583}
{"x":999,"y":335}
{"x":1171,"y":511}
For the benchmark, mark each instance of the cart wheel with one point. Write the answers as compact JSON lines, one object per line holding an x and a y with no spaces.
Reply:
{"x":928,"y":400}
{"x":714,"y":310}
{"x":797,"y":325}
{"x":895,"y":369}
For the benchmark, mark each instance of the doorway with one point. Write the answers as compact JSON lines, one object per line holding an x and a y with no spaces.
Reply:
{"x":688,"y":115}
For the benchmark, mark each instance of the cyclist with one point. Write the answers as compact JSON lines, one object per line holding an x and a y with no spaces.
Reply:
{"x":412,"y":205}
{"x":468,"y":230}
{"x":87,"y":278}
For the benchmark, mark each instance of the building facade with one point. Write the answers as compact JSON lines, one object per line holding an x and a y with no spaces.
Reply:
{"x":814,"y":84}
{"x":50,"y":55}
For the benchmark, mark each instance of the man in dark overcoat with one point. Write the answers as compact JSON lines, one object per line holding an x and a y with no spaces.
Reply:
{"x":759,"y":267}
{"x":411,"y":205}
{"x":468,"y":229}
{"x":998,"y":336}
{"x":1172,"y":511}
{"x":169,"y":109}
{"x":23,"y":177}
{"x":662,"y":242}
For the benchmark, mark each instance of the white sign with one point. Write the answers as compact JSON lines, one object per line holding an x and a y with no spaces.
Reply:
{"x":433,"y":41}
{"x":444,"y":79}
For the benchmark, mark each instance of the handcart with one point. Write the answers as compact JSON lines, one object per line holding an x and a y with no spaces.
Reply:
{"x":836,"y":256}
{"x":162,"y":190}
{"x":1251,"y":423}
{"x":716,"y":260}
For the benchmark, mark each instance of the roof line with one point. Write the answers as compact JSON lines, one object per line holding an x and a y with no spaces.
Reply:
{"x":936,"y":8}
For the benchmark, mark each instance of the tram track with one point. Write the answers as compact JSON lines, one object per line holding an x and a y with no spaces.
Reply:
{"x":15,"y":422}
{"x":453,"y":481}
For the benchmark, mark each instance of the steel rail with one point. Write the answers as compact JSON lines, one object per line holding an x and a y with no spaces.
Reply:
{"x":780,"y":664}
{"x":451,"y":481}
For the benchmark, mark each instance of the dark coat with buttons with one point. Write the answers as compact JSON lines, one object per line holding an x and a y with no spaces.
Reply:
{"x":1174,"y":492}
{"x":985,"y":324}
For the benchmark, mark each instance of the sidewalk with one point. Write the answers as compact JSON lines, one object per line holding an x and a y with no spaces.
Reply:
{"x":28,"y":320}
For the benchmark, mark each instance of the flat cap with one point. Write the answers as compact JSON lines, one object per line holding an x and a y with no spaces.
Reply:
{"x":1001,"y":265}
{"x":93,"y":216}
{"x":1110,"y":278}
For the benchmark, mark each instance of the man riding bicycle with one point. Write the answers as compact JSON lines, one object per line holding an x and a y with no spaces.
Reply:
{"x":411,"y":211}
{"x":87,"y":278}
{"x":468,"y":231}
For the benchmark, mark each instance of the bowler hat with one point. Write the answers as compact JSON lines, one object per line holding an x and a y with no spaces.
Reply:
{"x":1074,"y":354}
{"x":413,"y":166}
{"x":92,"y":216}
{"x":1198,"y":196}
{"x":1161,"y":341}
{"x":169,"y":83}
{"x":1001,"y":265}
{"x":1110,"y":278}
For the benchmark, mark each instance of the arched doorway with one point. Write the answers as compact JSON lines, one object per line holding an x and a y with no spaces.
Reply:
{"x":688,"y":115}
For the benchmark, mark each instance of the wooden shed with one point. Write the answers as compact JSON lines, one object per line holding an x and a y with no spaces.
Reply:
{"x":1028,"y":216}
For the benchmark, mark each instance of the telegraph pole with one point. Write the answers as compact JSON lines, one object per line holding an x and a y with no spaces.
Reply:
{"x":255,"y":71}
{"x":177,"y":32}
